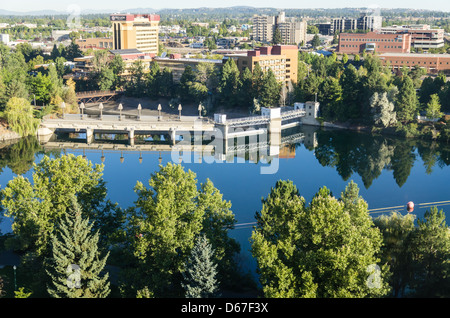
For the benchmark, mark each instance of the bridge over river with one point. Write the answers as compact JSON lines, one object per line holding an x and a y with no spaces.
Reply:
{"x":267,"y":127}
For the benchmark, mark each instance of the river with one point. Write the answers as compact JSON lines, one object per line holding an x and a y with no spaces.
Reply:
{"x":389,"y":172}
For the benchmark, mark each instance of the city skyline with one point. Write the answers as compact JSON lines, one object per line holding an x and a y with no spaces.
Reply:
{"x":118,"y":6}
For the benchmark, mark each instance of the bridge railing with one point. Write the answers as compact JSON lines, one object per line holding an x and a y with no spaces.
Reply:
{"x":97,"y":93}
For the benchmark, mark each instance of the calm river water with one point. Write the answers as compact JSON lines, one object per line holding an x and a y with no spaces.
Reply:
{"x":389,"y":171}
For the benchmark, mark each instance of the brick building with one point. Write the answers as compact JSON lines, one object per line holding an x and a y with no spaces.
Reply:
{"x":281,"y":59}
{"x":356,"y":43}
{"x":433,"y":63}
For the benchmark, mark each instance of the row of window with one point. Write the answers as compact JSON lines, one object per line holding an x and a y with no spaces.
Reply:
{"x":372,"y":40}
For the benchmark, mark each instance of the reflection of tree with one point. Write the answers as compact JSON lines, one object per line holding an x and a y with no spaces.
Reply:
{"x":403,"y":160}
{"x":351,"y":152}
{"x":20,"y":156}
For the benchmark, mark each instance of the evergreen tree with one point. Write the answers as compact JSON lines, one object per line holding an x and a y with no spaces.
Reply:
{"x":229,"y":84}
{"x":276,"y":39}
{"x":200,"y":273}
{"x":382,"y":110}
{"x":270,"y":91}
{"x":246,"y":93}
{"x":407,"y":103}
{"x":330,"y":96}
{"x":429,"y":248}
{"x":75,"y":266}
{"x":396,"y":229}
{"x":315,"y":41}
{"x":434,"y":108}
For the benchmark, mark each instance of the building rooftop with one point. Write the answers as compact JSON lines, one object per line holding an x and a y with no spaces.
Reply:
{"x":126,"y":51}
{"x":415,"y":55}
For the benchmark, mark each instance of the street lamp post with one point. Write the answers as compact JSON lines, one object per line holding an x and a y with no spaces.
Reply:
{"x":15,"y":282}
{"x":200,"y":110}
{"x":63,"y":107}
{"x":82,"y":109}
{"x":120,"y":111}
{"x":179,"y":110}
{"x":139,"y":111}
{"x":100,"y":107}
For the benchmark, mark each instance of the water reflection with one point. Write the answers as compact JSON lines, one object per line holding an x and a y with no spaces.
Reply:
{"x":368,"y":155}
{"x":348,"y":152}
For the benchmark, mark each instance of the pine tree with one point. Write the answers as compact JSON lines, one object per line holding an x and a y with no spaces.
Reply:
{"x":75,"y":266}
{"x":200,"y":275}
{"x":407,"y":101}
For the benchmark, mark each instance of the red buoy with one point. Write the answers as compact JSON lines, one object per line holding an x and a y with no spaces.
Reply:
{"x":410,"y":206}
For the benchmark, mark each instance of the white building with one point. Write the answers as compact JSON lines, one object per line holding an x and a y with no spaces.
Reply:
{"x":4,"y":38}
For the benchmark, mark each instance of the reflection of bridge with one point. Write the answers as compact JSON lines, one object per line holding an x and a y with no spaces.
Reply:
{"x":97,"y":96}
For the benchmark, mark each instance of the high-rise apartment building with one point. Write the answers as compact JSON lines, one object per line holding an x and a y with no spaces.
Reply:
{"x":363,"y":23}
{"x":292,"y":31}
{"x":135,"y":31}
{"x":263,"y":27}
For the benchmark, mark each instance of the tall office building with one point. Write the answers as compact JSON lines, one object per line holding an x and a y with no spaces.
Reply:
{"x":292,"y":31}
{"x":135,"y":31}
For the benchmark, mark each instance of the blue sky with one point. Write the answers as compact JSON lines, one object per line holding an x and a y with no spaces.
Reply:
{"x":119,"y":5}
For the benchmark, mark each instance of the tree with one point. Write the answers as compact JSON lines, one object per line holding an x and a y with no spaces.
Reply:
{"x":40,"y":86}
{"x":167,"y":218}
{"x":229,"y":83}
{"x":276,"y":39}
{"x":246,"y":93}
{"x":407,"y":103}
{"x":76,"y":265}
{"x":36,"y":206}
{"x":270,"y":91}
{"x":396,"y":229}
{"x":382,"y":110}
{"x":200,"y":274}
{"x":19,"y":115}
{"x":434,"y":108}
{"x":429,"y":249}
{"x":351,"y":93}
{"x":330,"y":95}
{"x":315,"y":41}
{"x":327,"y":249}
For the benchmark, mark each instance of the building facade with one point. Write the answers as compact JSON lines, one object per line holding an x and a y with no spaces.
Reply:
{"x":281,"y":59}
{"x":363,"y":23}
{"x":135,"y":31}
{"x":422,"y":36}
{"x":292,"y":31}
{"x":95,"y":43}
{"x":177,"y":64}
{"x":263,"y":28}
{"x":433,"y":63}
{"x":356,"y":43}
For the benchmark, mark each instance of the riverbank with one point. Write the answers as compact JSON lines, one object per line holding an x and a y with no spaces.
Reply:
{"x":6,"y":134}
{"x":439,"y":131}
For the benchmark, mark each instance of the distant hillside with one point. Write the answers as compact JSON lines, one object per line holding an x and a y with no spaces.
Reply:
{"x":245,"y":12}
